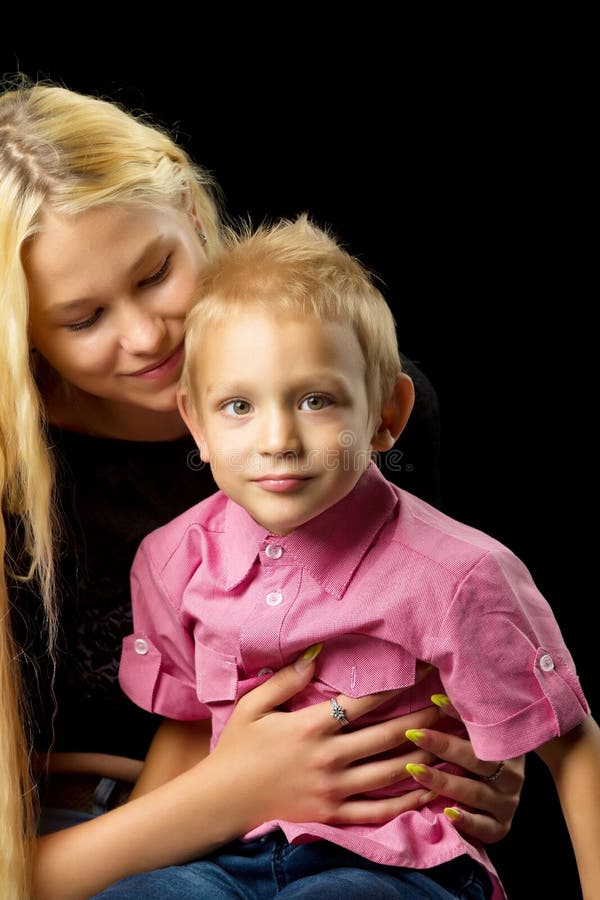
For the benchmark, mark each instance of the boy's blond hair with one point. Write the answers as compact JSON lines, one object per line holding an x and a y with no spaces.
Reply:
{"x":295,"y":267}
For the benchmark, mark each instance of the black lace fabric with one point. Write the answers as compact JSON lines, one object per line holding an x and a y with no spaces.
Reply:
{"x":112,"y":493}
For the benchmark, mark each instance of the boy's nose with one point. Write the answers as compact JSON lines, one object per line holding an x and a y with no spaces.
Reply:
{"x":280,"y":435}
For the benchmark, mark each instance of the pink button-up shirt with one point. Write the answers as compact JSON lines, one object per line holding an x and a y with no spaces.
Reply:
{"x":383,"y":579}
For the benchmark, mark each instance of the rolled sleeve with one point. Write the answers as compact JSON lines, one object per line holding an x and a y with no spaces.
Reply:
{"x":504,"y":663}
{"x":157,"y":661}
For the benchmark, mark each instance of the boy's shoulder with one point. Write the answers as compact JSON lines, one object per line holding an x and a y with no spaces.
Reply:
{"x":435,"y":536}
{"x":187,"y":532}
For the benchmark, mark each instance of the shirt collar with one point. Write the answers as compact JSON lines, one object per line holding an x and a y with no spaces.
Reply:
{"x":330,"y":546}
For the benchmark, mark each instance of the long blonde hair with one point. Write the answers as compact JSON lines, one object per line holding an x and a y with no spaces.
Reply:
{"x":69,"y":152}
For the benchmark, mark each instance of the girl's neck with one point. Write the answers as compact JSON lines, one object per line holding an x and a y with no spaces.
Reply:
{"x":77,"y":411}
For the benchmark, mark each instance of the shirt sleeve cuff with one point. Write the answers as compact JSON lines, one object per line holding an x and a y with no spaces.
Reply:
{"x":141,"y":677}
{"x":530,"y":727}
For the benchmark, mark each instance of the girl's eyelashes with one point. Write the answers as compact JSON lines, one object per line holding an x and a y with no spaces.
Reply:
{"x":159,"y":274}
{"x":86,"y":323}
{"x":155,"y":278}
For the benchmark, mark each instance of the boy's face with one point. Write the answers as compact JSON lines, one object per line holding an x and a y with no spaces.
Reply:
{"x":281,"y":414}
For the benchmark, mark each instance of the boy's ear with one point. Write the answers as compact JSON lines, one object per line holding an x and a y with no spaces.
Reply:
{"x":395,"y":414}
{"x":190,"y":417}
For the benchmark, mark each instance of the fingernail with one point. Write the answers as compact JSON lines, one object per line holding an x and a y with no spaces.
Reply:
{"x":416,"y":769}
{"x":414,"y":735}
{"x":304,"y":661}
{"x":427,"y":798}
{"x":440,"y":700}
{"x":453,"y":814}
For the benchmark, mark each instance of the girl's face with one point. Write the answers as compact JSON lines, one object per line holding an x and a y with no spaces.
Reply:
{"x":109,"y":292}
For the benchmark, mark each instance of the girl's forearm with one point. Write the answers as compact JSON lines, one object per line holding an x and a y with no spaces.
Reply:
{"x":220,"y":798}
{"x":176,"y":822}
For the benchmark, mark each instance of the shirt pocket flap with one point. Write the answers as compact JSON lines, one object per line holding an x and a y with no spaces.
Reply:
{"x":357,"y":665}
{"x":216,"y":675}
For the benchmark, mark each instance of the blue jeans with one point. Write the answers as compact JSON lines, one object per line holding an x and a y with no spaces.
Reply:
{"x":270,"y":867}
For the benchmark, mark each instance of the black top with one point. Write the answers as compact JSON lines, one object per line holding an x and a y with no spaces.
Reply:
{"x":112,"y":493}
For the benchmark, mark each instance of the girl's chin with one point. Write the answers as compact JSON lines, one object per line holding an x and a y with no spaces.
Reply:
{"x":162,"y":402}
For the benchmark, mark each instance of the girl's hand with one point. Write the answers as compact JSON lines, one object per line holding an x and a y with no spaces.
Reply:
{"x":301,"y":766}
{"x":492,"y":803}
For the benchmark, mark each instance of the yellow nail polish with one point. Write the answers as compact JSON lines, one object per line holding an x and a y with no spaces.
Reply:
{"x":416,"y":769}
{"x":440,"y":700}
{"x":312,"y":652}
{"x":452,"y":813}
{"x":414,"y":735}
{"x":303,"y":662}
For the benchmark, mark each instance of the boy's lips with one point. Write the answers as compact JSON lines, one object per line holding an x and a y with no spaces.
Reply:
{"x":281,"y":483}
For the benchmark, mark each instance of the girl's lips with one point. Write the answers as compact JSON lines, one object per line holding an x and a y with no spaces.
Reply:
{"x":282,"y":484}
{"x":166,"y":365}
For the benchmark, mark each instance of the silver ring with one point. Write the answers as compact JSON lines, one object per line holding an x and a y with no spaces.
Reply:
{"x":337,"y":712}
{"x":495,"y":775}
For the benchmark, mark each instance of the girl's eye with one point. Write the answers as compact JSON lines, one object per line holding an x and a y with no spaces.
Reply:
{"x":159,"y":274}
{"x":87,"y":323}
{"x":237,"y":408}
{"x":315,"y":402}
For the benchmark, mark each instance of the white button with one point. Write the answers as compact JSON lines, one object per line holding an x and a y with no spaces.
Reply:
{"x":140,"y":646}
{"x":274,"y":598}
{"x":273,"y":551}
{"x":546,"y":663}
{"x":265,"y":671}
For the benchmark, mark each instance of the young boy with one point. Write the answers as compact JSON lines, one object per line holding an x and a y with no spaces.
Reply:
{"x":292,"y":382}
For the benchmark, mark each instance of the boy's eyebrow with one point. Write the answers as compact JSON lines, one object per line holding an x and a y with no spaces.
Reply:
{"x":317,"y":381}
{"x":225,"y":389}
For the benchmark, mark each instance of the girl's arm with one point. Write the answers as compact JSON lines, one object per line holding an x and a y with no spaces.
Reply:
{"x":267,"y":764}
{"x":178,"y":746}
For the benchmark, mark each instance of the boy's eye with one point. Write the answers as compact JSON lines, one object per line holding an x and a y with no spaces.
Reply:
{"x":315,"y":402}
{"x":86,"y":323}
{"x":237,"y":408}
{"x":159,"y":274}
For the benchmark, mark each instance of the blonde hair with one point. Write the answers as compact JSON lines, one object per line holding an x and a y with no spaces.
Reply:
{"x":297,"y":267}
{"x":68,"y":152}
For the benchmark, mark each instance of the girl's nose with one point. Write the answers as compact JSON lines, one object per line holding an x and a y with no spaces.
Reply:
{"x":142,"y":333}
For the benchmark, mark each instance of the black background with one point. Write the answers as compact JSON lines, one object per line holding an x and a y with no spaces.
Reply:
{"x":457,"y":166}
